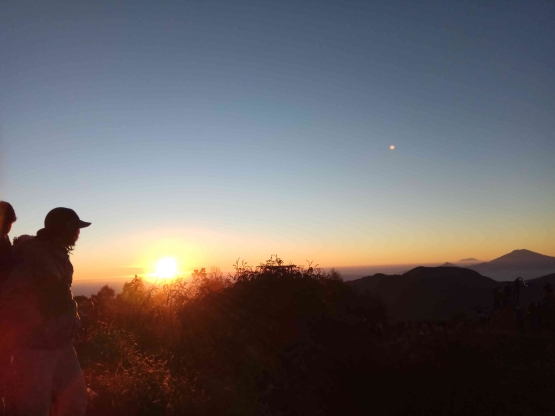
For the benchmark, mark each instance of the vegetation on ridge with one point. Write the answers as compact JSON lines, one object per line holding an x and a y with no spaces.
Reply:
{"x":282,"y":340}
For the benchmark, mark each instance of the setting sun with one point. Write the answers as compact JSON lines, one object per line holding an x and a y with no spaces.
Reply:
{"x":166,"y":268}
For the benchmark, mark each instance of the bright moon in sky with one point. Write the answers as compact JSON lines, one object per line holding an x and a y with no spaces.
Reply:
{"x":166,"y":268}
{"x":392,"y":147}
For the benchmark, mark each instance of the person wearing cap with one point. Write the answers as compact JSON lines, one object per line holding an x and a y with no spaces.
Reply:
{"x":42,"y":321}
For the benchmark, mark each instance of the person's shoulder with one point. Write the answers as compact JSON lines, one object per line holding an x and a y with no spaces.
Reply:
{"x":31,"y":248}
{"x":33,"y":259}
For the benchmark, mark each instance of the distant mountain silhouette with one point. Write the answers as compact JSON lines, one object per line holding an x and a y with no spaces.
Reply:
{"x":448,"y":265}
{"x":524,"y":257}
{"x":435,"y":293}
{"x":470,"y":259}
{"x":518,"y":263}
{"x":430,"y":292}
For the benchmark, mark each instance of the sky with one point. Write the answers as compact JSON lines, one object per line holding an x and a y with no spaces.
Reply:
{"x":216,"y":131}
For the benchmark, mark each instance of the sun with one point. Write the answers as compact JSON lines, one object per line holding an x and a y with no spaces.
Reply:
{"x":166,"y":268}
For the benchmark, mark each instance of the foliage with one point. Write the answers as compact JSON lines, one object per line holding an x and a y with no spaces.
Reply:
{"x":280,"y":339}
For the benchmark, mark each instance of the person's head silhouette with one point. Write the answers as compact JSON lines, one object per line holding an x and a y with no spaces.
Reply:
{"x":62,"y":226}
{"x":7,"y":217}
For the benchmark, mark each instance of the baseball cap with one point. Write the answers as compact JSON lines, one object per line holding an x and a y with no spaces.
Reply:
{"x":64,"y":218}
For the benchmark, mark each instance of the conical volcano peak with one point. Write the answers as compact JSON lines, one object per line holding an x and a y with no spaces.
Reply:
{"x":521,"y":255}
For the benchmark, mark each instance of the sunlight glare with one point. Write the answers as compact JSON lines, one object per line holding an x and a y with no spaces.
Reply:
{"x":166,"y":268}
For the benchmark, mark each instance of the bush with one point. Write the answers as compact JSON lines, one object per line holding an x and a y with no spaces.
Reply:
{"x":280,"y":339}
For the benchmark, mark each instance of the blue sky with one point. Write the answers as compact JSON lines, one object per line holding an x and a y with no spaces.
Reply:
{"x":250,"y":128}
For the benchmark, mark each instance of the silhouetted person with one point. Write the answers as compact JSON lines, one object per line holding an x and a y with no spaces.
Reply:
{"x":7,"y":218}
{"x":42,"y":320}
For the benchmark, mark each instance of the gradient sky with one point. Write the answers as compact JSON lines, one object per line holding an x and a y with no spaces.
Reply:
{"x":212,"y":131}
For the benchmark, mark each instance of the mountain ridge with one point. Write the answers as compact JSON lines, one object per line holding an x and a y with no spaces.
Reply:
{"x":518,"y":263}
{"x":438,"y":293}
{"x":429,"y":293}
{"x":521,"y":255}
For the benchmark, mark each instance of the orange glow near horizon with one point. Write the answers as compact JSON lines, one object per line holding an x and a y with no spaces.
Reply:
{"x":392,"y":242}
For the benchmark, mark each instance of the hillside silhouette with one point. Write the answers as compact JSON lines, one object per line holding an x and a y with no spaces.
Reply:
{"x":429,"y":293}
{"x":439,"y":293}
{"x":518,"y":263}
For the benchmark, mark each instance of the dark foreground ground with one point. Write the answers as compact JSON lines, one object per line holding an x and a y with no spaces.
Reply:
{"x":463,"y":371}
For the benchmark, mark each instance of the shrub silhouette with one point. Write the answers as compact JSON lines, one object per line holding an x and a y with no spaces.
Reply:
{"x":279,"y":325}
{"x":280,"y":339}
